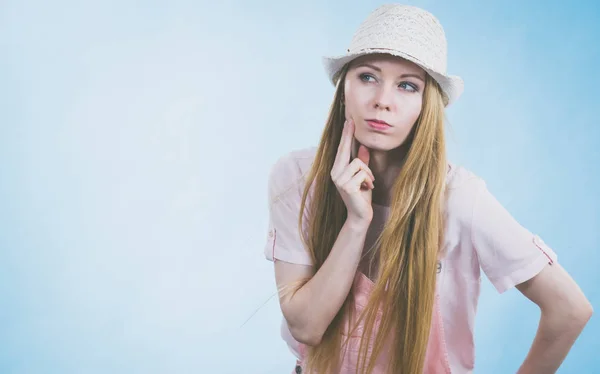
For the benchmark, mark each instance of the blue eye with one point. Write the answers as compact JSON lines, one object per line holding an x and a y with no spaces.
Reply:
{"x":409,"y":87}
{"x":365,"y":77}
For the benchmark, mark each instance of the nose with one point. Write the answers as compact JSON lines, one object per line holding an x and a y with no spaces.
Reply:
{"x":383,"y":99}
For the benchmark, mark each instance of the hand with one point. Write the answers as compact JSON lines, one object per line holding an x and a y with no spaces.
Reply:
{"x":354,"y":180}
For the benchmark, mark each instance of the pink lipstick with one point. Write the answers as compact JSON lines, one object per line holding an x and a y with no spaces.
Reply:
{"x":378,"y":124}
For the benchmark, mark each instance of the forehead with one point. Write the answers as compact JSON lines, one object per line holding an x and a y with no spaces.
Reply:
{"x":388,"y":62}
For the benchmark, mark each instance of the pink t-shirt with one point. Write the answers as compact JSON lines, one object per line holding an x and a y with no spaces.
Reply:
{"x":480,"y":234}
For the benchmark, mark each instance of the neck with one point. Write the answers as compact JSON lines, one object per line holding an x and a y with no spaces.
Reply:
{"x":386,"y":166}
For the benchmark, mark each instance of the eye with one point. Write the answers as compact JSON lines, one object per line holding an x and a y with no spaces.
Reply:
{"x":409,"y":86}
{"x":366,"y":77}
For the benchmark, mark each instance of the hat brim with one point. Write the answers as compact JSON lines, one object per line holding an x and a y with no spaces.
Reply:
{"x":451,"y":85}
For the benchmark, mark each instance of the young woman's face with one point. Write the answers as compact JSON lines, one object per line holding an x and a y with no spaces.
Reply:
{"x":383,"y":95}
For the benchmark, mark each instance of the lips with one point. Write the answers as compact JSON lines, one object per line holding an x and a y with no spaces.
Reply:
{"x":378,"y":125}
{"x":378,"y":121}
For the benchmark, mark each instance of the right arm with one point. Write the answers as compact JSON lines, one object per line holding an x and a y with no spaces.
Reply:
{"x":311,"y":308}
{"x":315,"y":298}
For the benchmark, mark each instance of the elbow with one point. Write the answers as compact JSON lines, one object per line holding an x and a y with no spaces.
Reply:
{"x":584,"y":312}
{"x":306,"y":336}
{"x":301,"y":329}
{"x":572,"y":315}
{"x":579,"y":314}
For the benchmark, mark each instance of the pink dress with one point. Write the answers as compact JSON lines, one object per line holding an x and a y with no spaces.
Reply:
{"x":436,"y":356}
{"x":481,"y":237}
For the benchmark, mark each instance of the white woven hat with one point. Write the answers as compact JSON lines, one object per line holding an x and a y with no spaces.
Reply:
{"x":405,"y":31}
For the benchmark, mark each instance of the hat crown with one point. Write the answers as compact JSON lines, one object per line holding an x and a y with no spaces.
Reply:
{"x":406,"y":29}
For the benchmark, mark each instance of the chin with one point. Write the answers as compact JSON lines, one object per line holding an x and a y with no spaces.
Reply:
{"x":378,"y":142}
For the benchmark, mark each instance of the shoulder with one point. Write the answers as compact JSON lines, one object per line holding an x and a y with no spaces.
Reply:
{"x":463,"y":187}
{"x":461,"y":178}
{"x":288,"y":172}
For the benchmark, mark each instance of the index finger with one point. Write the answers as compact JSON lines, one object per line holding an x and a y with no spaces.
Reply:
{"x":342,"y":157}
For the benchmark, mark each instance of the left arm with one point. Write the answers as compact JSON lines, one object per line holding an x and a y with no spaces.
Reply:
{"x":564,"y":313}
{"x":512,"y":256}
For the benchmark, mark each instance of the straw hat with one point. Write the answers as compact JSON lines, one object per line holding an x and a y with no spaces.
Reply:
{"x":405,"y":31}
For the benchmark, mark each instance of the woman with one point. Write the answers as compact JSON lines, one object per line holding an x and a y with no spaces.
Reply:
{"x":380,"y":272}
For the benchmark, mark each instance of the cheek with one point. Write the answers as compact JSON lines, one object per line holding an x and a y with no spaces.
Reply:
{"x":408,"y":112}
{"x":357,"y":99}
{"x":409,"y":109}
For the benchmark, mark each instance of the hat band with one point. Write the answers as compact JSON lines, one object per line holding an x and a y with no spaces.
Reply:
{"x":396,"y":51}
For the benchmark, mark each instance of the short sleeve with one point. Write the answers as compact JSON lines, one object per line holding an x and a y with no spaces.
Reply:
{"x":508,"y":253}
{"x":285,"y":190}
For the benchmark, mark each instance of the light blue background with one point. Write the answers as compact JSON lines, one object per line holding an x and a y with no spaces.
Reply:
{"x":136,"y":140}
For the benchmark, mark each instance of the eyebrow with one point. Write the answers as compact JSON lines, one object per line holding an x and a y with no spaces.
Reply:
{"x":401,"y":76}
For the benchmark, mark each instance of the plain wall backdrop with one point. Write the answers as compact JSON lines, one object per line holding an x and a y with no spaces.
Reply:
{"x":136,"y":140}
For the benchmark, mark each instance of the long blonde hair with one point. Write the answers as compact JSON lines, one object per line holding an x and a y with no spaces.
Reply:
{"x":409,"y":243}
